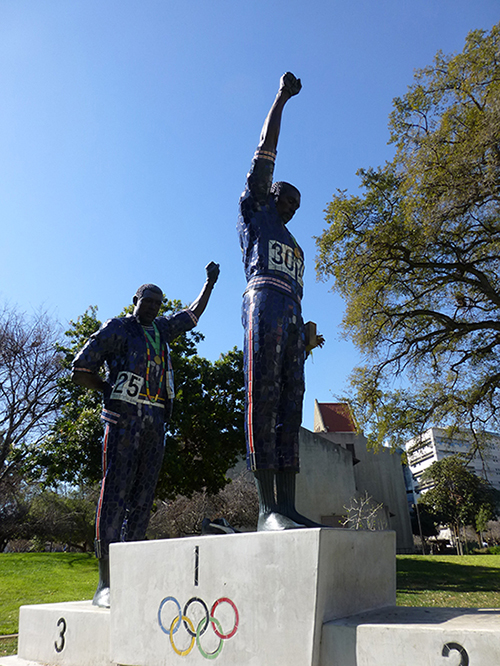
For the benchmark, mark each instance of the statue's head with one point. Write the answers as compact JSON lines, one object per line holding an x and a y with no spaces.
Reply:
{"x":147,"y":301}
{"x":287,"y":198}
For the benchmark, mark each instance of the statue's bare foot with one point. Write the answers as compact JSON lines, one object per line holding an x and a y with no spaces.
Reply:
{"x":274,"y":521}
{"x":101,"y":597}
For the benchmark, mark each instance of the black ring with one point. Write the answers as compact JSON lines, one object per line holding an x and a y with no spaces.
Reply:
{"x":207,"y":616}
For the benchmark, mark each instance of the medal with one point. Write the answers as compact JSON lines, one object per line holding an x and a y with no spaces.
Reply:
{"x":159,"y":359}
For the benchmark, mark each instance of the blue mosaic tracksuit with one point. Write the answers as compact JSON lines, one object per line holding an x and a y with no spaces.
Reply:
{"x":274,"y":345}
{"x":135,"y":411}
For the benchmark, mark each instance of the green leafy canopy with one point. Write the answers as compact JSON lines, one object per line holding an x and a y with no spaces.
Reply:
{"x":417,"y":256}
{"x":458,"y":496}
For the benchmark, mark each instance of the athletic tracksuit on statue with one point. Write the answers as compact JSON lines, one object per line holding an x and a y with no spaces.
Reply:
{"x":274,"y":345}
{"x":136,"y":408}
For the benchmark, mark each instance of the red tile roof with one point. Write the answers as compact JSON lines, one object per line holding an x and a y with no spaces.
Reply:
{"x":337,"y":416}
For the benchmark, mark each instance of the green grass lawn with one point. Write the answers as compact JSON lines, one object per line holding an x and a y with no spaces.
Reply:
{"x":471,"y":581}
{"x":41,"y":578}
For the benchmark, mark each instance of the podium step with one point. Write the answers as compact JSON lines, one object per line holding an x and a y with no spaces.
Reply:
{"x":75,"y":633}
{"x":17,"y":661}
{"x":400,"y":636}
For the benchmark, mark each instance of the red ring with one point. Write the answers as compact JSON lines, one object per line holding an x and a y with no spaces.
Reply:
{"x":236,"y":614}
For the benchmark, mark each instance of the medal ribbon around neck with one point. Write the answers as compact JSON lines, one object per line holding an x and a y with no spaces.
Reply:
{"x":296,"y":249}
{"x":155,"y":344}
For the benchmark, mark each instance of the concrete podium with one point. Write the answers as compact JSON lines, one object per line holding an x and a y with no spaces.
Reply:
{"x":415,"y":637}
{"x":271,"y":592}
{"x":315,"y":597}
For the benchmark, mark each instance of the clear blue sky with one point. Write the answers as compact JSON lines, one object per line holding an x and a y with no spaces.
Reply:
{"x":127,"y":128}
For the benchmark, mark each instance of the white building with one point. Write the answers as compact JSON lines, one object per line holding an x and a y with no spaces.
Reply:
{"x":435,"y":444}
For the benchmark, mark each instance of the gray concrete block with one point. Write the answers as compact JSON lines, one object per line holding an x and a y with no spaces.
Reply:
{"x":402,"y":636}
{"x":67,"y":634}
{"x":284,"y":586}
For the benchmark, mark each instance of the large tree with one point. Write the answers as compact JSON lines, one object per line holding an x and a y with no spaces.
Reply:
{"x":71,"y":451}
{"x":62,"y":518}
{"x":14,"y":507}
{"x":417,"y":255}
{"x":30,"y":366}
{"x":204,"y":437}
{"x":458,"y":496}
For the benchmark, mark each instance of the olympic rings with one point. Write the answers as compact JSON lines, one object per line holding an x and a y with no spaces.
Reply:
{"x":181,"y":617}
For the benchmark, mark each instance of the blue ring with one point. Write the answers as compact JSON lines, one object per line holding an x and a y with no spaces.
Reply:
{"x":167,"y":631}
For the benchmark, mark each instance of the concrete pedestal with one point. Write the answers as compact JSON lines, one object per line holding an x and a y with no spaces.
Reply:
{"x":70,"y":634}
{"x":410,"y":636}
{"x":271,"y":593}
{"x":296,"y":598}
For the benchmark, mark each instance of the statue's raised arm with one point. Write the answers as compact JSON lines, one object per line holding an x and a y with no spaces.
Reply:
{"x":290,"y":85}
{"x":260,"y":176}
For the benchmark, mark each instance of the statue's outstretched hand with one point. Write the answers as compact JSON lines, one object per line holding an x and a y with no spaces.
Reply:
{"x":290,"y":83}
{"x":213,"y":271}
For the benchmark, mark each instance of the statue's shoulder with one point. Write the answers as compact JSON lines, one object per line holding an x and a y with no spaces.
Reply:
{"x":129,"y":322}
{"x":164,"y":321}
{"x":119,"y":325}
{"x":113,"y":322}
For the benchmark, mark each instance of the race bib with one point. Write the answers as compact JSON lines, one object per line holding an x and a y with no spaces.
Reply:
{"x":282,"y":257}
{"x":127,"y":387}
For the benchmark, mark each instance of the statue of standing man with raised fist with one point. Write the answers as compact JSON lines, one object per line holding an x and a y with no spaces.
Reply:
{"x":275,"y":342}
{"x":138,"y":396}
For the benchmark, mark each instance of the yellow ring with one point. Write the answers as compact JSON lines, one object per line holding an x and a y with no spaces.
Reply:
{"x":182,"y":653}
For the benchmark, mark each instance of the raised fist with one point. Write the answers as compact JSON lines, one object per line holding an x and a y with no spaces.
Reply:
{"x":213,"y":271}
{"x":290,"y":83}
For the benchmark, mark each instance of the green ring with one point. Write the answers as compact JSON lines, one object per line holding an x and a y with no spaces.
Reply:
{"x":209,"y":655}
